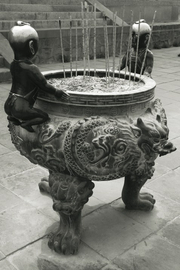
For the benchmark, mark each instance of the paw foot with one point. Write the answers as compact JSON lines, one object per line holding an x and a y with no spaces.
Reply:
{"x":44,"y":186}
{"x":145,"y":202}
{"x":64,"y":243}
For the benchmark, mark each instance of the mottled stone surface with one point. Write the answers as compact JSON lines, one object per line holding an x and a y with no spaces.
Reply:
{"x":110,"y":233}
{"x":153,"y":253}
{"x":87,"y":259}
{"x":21,"y":224}
{"x":5,"y":265}
{"x":165,"y":210}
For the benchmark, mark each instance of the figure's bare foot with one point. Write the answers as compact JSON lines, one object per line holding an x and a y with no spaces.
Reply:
{"x":27,"y":127}
{"x":15,"y":121}
{"x":145,"y":202}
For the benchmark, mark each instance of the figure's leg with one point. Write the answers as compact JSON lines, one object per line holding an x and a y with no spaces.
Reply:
{"x":33,"y":117}
{"x":131,"y":196}
{"x":15,"y":121}
{"x":69,"y":196}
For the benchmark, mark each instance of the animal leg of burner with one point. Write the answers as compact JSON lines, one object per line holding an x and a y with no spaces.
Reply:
{"x":131,"y":196}
{"x":44,"y":186}
{"x":69,"y":195}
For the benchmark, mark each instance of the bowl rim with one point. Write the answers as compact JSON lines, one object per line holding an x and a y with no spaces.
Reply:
{"x":149,"y":83}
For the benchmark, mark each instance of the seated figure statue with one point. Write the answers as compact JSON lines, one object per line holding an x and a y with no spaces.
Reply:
{"x":134,"y":57}
{"x":27,"y":80}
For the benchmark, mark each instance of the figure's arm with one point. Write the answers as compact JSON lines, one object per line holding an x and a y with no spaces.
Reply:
{"x":123,"y":63}
{"x":149,"y":64}
{"x":38,"y":78}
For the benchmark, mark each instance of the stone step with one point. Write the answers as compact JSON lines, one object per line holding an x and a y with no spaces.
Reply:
{"x":44,"y":2}
{"x":39,"y":8}
{"x":5,"y":75}
{"x":50,"y":24}
{"x":8,"y":15}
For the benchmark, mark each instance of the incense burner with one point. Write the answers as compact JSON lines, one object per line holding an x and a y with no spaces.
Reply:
{"x":95,"y":137}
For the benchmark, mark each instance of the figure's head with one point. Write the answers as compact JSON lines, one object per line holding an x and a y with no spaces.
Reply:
{"x":143,"y":30}
{"x":24,"y":40}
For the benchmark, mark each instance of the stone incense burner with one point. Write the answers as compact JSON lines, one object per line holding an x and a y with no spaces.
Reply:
{"x":95,"y":137}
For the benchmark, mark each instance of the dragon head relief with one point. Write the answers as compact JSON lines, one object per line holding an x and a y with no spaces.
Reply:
{"x":154,"y":136}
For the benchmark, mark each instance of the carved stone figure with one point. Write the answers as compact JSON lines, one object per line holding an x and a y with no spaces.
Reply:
{"x":27,"y":80}
{"x":140,"y":36}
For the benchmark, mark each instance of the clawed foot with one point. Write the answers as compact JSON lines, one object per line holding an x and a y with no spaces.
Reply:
{"x":64,"y":241}
{"x":44,"y":186}
{"x":145,"y":202}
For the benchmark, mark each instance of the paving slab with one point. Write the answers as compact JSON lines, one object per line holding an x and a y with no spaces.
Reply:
{"x":20,"y":226}
{"x":159,"y":171}
{"x":8,"y":199}
{"x":111,"y":266}
{"x":110,"y":233}
{"x":30,"y":253}
{"x":108,"y":191}
{"x":164,"y":211}
{"x":13,"y":163}
{"x":5,"y":140}
{"x":5,"y":265}
{"x":92,"y":205}
{"x":168,"y":185}
{"x":153,"y":253}
{"x":86,"y":259}
{"x":4,"y":150}
{"x":2,"y":255}
{"x":171,"y":232}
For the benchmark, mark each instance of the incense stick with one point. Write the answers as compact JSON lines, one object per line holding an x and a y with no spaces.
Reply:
{"x":76,"y":46}
{"x":70,"y":45}
{"x":95,"y":39}
{"x":105,"y":45}
{"x":130,"y":45}
{"x":62,"y":50}
{"x":147,"y":45}
{"x":121,"y":41}
{"x":87,"y":37}
{"x":114,"y":42}
{"x":127,"y":54}
{"x":137,"y":47}
{"x":83,"y":37}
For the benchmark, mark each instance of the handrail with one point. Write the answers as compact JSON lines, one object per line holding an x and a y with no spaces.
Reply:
{"x":108,"y":13}
{"x":5,"y":49}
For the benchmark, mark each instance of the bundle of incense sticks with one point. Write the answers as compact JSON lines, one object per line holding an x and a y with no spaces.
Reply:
{"x":86,"y":20}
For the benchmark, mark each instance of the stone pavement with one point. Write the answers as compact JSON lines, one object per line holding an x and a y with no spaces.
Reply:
{"x":112,"y":238}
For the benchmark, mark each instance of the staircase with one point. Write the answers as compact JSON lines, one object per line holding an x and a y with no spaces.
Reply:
{"x":44,"y":17}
